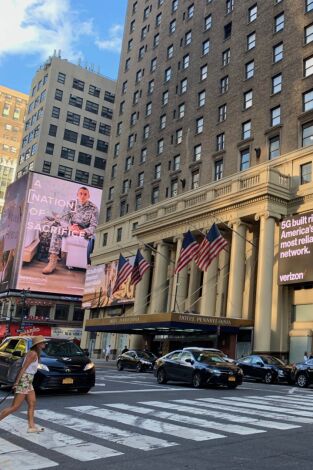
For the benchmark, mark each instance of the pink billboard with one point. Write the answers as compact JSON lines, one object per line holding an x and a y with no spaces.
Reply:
{"x":59,"y":229}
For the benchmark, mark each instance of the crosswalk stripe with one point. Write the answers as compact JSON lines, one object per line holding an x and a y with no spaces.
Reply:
{"x":13,"y":457}
{"x":285,"y":402}
{"x":224,"y":416}
{"x":58,"y":442}
{"x":291,"y":399}
{"x":256,"y":406}
{"x":147,"y":424}
{"x":184,"y":419}
{"x":108,"y":433}
{"x":233,"y":407}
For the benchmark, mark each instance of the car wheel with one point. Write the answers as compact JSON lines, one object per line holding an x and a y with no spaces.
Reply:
{"x":197,"y":380}
{"x":302,"y":381}
{"x":139,"y":367}
{"x":161,"y":376}
{"x":268,"y":378}
{"x":84,"y":390}
{"x":119,"y":365}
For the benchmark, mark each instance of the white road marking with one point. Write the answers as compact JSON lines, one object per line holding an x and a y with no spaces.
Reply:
{"x":108,"y":433}
{"x":285,"y":401}
{"x":203,"y":423}
{"x":305,"y":401}
{"x":13,"y":457}
{"x":167,"y":389}
{"x":147,"y":424}
{"x":58,"y":442}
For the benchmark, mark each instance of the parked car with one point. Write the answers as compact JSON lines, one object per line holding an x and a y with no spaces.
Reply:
{"x":63,"y":365}
{"x":266,"y":368}
{"x":199,"y":367}
{"x":137,"y":360}
{"x":218,"y":351}
{"x":302,"y":373}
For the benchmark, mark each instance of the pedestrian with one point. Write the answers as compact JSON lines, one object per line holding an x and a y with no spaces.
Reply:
{"x":305,"y":357}
{"x":23,"y":386}
{"x":107,"y":352}
{"x":125,"y":349}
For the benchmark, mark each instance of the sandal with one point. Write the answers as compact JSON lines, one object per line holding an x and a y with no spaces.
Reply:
{"x":35,"y":429}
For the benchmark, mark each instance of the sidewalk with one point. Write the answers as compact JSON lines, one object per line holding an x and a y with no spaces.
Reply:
{"x":103,"y":363}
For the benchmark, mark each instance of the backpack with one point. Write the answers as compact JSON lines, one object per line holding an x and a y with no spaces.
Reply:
{"x":14,"y":370}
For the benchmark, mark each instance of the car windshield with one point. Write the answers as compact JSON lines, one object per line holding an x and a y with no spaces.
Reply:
{"x":61,"y":349}
{"x":145,"y":355}
{"x":209,"y":357}
{"x":274,"y":361}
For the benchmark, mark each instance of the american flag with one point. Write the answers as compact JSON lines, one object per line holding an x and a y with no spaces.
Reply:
{"x":210,"y":247}
{"x":139,"y":268}
{"x":124,"y":270}
{"x":188,"y":251}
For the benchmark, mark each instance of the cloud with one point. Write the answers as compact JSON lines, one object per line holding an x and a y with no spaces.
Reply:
{"x":40,"y":26}
{"x":114,"y":41}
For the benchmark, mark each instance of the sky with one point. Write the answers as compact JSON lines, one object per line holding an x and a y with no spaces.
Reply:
{"x":88,"y":32}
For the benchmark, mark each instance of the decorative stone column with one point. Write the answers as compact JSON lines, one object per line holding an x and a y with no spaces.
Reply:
{"x":236,"y":271}
{"x":180,"y":283}
{"x":159,"y":291}
{"x":249,"y":289}
{"x":222,"y":283}
{"x":209,"y":286}
{"x":194,"y":287}
{"x":263,"y":301}
{"x":142,"y":288}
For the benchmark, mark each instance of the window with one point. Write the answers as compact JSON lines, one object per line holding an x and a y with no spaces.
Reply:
{"x":146,"y":131}
{"x":251,"y":41}
{"x":308,"y":100}
{"x":102,"y":146}
{"x":306,"y":173}
{"x":157,"y":171}
{"x":308,"y":5}
{"x":197,"y":151}
{"x":131,"y":141}
{"x":136,"y":97}
{"x":308,"y":66}
{"x":244,"y":159}
{"x":146,"y":13}
{"x":104,"y":239}
{"x":156,"y":40}
{"x":133,"y":118}
{"x":123,"y":208}
{"x":308,"y":34}
{"x":138,"y":201}
{"x":130,"y":45}
{"x":174,"y":188}
{"x":172,"y":27}
{"x":122,"y":107}
{"x":252,"y":13}
{"x":220,"y":142}
{"x":176,"y":162}
{"x":16,"y":114}
{"x":108,"y":96}
{"x":127,"y":64}
{"x":155,"y":195}
{"x":61,"y":77}
{"x":94,"y":91}
{"x":76,"y":101}
{"x":92,"y":107}
{"x":183,"y":86}
{"x":199,"y":125}
{"x":58,"y":95}
{"x":195,"y":179}
{"x":307,"y":134}
{"x":73,"y":118}
{"x":116,"y":150}
{"x":91,"y":125}
{"x":46,"y":167}
{"x":165,"y":98}
{"x":170,"y":51}
{"x":49,"y":148}
{"x":158,"y":19}
{"x":229,"y":6}
{"x":68,"y":154}
{"x":119,"y":128}
{"x":181,"y":110}
{"x":87,"y":141}
{"x":141,"y":52}
{"x":188,"y":38}
{"x":106,"y":112}
{"x":279,"y":22}
{"x":153,"y":64}
{"x":278,"y":52}
{"x":53,"y":130}
{"x":108,"y":215}
{"x":84,"y":158}
{"x":246,"y":130}
{"x":218,"y":170}
{"x":148,"y":108}
{"x":97,"y":180}
{"x":78,"y":84}
{"x":143,"y":155}
{"x":140,"y":180}
{"x":277,"y":83}
{"x":71,"y":136}
{"x":227,"y":30}
{"x":35,"y":148}
{"x":201,"y":98}
{"x":167,"y":74}
{"x":111,"y":193}
{"x":186,"y":61}
{"x":190,"y":11}
{"x":82,"y":176}
{"x":248,"y":99}
{"x":174,"y":5}
{"x":99,"y":163}
{"x":150,"y":87}
{"x":65,"y":172}
{"x":124,"y":87}
{"x":275,"y":116}
{"x":179,"y":136}
{"x":226,"y":57}
{"x":203,"y":72}
{"x":274,"y":147}
{"x":207,"y":22}
{"x":125,"y":186}
{"x":128,"y":163}
{"x":160,"y":146}
{"x":249,"y":70}
{"x":206,"y":47}
{"x":222,"y":111}
{"x":144,"y":32}
{"x":224,"y":83}
{"x":163,"y":121}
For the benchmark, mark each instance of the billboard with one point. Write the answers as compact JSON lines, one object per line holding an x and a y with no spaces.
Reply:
{"x":57,"y":236}
{"x":296,"y":249}
{"x":99,"y":284}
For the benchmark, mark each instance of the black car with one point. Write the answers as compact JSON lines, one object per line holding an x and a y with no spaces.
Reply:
{"x":137,"y":360}
{"x":63,"y":365}
{"x":199,"y":367}
{"x":266,"y":368}
{"x":302,"y":373}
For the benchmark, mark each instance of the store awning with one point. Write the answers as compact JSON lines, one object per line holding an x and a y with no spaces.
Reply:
{"x":167,"y":323}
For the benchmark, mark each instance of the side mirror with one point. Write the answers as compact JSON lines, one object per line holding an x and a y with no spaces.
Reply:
{"x":260,"y":364}
{"x":189,"y":360}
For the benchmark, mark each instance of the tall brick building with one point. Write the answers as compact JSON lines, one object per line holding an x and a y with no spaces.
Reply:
{"x":213,"y":123}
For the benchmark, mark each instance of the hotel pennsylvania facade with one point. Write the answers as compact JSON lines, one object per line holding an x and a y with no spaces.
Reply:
{"x":228,"y":140}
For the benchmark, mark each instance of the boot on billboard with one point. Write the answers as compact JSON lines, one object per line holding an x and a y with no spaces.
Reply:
{"x":51,"y":266}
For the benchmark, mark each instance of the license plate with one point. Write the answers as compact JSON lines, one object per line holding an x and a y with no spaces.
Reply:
{"x":68,"y":380}
{"x":231,"y":379}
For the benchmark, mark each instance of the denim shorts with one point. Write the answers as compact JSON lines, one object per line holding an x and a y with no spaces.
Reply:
{"x":25,"y":384}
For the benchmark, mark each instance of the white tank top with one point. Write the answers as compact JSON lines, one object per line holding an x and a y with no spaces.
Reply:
{"x":32,"y":368}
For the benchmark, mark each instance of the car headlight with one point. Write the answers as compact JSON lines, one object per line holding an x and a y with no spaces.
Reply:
{"x":89,"y":366}
{"x":43,"y":367}
{"x":281,"y":373}
{"x":146,"y":363}
{"x":216,"y":371}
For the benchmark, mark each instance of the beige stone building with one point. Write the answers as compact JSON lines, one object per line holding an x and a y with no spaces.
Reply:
{"x":214,"y":123}
{"x":13,"y":107}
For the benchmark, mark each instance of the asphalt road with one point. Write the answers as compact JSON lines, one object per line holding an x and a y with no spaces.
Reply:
{"x":129,"y":422}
